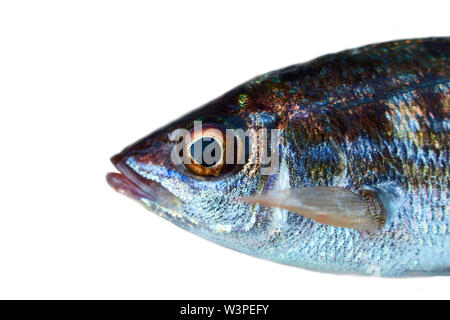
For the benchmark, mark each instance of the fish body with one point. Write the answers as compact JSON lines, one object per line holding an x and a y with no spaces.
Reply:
{"x":373,"y":118}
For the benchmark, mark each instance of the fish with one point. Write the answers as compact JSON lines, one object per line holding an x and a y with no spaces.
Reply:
{"x":338,"y":165}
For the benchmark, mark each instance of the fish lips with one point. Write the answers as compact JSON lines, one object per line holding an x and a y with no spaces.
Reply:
{"x":148,"y":192}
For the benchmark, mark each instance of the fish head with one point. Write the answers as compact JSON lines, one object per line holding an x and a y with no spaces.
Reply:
{"x":165,"y":172}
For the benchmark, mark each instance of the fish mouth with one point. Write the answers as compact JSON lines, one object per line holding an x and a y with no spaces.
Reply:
{"x":148,"y":192}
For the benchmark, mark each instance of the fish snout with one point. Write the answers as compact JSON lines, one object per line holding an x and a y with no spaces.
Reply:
{"x":147,"y":191}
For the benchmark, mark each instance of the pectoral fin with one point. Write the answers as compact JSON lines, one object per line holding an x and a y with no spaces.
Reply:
{"x":333,"y":206}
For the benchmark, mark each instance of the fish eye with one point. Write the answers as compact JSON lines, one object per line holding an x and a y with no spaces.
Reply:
{"x":210,"y":151}
{"x":206,"y":151}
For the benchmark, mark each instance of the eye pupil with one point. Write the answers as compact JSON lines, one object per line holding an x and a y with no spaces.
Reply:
{"x":206,"y":151}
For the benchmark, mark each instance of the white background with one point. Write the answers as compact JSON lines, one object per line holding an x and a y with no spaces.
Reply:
{"x":79,"y":80}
